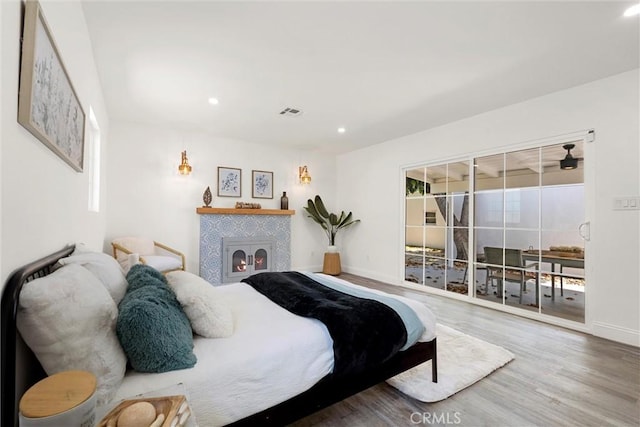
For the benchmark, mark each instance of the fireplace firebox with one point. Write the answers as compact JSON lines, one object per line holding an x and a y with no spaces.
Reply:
{"x":244,"y":257}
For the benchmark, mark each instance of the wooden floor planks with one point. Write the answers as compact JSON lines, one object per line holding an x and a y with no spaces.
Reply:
{"x":559,"y":378}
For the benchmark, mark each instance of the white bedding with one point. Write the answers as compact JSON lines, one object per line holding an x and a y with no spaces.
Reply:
{"x":272,"y":356}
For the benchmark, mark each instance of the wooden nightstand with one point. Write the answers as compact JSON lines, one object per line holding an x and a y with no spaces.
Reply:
{"x":65,"y":398}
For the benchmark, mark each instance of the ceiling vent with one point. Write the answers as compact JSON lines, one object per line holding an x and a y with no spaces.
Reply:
{"x":291,"y":112}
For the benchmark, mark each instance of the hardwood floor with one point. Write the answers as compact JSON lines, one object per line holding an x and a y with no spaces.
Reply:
{"x":559,"y":378}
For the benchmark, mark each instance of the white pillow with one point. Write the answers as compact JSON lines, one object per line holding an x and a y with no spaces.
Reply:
{"x":163,"y":262}
{"x":68,"y":320}
{"x":208,"y":317}
{"x":105,"y":268}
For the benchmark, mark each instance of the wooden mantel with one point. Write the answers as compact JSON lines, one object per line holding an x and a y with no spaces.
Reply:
{"x":233,"y":211}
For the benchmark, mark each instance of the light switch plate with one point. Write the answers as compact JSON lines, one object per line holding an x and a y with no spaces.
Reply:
{"x":626,"y":203}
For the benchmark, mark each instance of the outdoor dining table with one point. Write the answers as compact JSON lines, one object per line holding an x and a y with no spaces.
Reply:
{"x":563,"y":259}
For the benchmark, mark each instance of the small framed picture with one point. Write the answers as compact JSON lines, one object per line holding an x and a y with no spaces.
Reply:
{"x":229,"y":182}
{"x":262,"y":184}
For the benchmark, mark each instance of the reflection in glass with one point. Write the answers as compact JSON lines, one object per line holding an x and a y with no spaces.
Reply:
{"x":521,"y":239}
{"x":457,"y":275}
{"x":487,"y":237}
{"x":414,"y":238}
{"x":431,"y":206}
{"x":488,"y":172}
{"x":413,"y":266}
{"x":437,"y":178}
{"x":415,"y":182}
{"x":239,"y":261}
{"x":458,"y":244}
{"x":459,"y":203}
{"x":521,"y":208}
{"x":489,"y":207}
{"x":414,"y":212}
{"x":434,"y":272}
{"x":522,"y":168}
{"x":435,"y":238}
{"x":260,"y":260}
{"x":551,"y":157}
{"x":481,"y":280}
{"x":562,"y":241}
{"x":562,"y":208}
{"x":457,"y":177}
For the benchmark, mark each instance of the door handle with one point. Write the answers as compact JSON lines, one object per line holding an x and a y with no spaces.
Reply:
{"x":584,"y":230}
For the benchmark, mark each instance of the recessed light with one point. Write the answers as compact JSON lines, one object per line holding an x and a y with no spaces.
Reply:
{"x":213,"y":101}
{"x":341,"y":130}
{"x":633,"y":10}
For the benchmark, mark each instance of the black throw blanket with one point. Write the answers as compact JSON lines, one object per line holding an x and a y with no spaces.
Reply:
{"x":365,"y":332}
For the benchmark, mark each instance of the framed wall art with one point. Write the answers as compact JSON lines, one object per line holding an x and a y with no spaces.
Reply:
{"x":229,"y":182}
{"x":48,"y":106}
{"x":262,"y":184}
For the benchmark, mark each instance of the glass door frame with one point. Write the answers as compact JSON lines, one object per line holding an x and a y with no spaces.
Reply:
{"x":587,"y":137}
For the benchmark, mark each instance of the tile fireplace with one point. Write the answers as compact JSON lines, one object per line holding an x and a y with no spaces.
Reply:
{"x":267,"y":227}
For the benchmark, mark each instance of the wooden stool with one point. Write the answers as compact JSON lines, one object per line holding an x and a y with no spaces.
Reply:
{"x":66,"y":398}
{"x":331,"y":263}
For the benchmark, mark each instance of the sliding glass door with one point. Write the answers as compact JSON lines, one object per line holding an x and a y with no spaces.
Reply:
{"x":525,"y":209}
{"x":437,"y":226}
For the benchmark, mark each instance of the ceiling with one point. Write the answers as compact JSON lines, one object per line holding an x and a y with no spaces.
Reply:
{"x":379,"y":69}
{"x":532,"y":161}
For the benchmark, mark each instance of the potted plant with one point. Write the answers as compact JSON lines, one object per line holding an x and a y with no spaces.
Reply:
{"x":331,"y":223}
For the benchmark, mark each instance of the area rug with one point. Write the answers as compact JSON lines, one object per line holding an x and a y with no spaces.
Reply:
{"x":462,"y":360}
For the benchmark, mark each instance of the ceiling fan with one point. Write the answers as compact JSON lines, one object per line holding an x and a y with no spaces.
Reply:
{"x":569,"y":162}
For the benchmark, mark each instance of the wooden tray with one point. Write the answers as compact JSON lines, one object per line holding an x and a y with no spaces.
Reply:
{"x":167,"y":405}
{"x":564,"y":254}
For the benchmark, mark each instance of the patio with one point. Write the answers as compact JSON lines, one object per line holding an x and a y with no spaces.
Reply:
{"x":570,"y":306}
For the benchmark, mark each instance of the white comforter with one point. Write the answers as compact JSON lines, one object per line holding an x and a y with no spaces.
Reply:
{"x":272,"y":356}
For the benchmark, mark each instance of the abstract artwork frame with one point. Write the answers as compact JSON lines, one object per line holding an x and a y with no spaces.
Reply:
{"x":229,"y":182}
{"x":261,"y":184}
{"x":48,"y":105}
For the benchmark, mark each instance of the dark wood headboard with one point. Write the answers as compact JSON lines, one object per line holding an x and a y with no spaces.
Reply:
{"x":19,"y":373}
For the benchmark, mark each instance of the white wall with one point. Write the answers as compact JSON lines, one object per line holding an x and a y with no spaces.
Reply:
{"x":44,"y":201}
{"x":2,"y":275}
{"x":148,"y":197}
{"x":610,"y":106}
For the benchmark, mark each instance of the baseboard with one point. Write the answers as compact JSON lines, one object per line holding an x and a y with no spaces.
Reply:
{"x":616,"y":333}
{"x":312,"y":268}
{"x":370,"y":275}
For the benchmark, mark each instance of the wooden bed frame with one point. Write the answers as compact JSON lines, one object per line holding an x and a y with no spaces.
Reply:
{"x":19,"y":373}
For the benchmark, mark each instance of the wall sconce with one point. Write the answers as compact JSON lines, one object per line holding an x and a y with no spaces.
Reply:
{"x":303,"y":174}
{"x":184,"y":167}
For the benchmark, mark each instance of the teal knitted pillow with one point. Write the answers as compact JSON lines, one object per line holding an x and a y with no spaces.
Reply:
{"x":153,"y":330}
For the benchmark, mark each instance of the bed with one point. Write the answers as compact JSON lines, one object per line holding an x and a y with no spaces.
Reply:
{"x":243,"y":362}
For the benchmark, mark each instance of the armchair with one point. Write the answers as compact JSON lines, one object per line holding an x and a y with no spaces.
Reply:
{"x":129,"y":250}
{"x":510,"y":269}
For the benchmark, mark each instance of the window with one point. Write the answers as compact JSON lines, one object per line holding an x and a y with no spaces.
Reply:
{"x":94,"y":163}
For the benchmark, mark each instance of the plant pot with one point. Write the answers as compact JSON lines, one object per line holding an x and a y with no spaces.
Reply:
{"x":332,"y":249}
{"x":331,"y":263}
